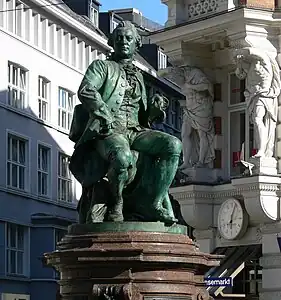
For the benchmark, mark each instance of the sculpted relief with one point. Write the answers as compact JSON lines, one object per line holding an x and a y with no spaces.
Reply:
{"x":262,"y":75}
{"x":197,"y":128}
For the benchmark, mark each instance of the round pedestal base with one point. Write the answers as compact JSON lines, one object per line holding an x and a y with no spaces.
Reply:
{"x":129,"y":264}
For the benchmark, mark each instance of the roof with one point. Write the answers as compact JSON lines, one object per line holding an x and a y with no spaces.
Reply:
{"x":140,"y":61}
{"x":82,"y":19}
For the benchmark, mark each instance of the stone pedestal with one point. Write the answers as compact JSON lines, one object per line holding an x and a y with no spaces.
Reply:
{"x":264,"y":165}
{"x":271,"y":262}
{"x":130,"y":260}
{"x":200,"y":175}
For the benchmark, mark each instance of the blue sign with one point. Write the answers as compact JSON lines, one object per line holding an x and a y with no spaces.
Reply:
{"x":219,"y":281}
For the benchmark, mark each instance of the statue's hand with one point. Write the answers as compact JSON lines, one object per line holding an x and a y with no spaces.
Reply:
{"x":160,"y":101}
{"x":105,"y":129}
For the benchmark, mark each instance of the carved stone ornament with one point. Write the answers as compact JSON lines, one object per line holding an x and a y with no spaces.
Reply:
{"x":123,"y":292}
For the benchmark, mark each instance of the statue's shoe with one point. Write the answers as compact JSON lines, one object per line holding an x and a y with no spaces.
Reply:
{"x":115,"y":216}
{"x":163,"y":215}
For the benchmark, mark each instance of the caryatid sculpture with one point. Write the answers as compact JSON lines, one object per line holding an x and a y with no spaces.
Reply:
{"x":198,"y":127}
{"x":263,"y":85}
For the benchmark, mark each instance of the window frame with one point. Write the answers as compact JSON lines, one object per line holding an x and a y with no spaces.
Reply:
{"x":94,"y":15}
{"x":232,"y":108}
{"x":240,"y":104}
{"x":65,"y":109}
{"x":26,"y":140}
{"x":162,"y":60}
{"x":24,"y":250}
{"x":48,"y":172}
{"x":16,"y":86}
{"x":61,"y":178}
{"x":114,"y":24}
{"x":43,"y":80}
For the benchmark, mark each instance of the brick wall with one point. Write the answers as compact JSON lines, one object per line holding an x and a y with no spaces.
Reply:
{"x":268,"y":4}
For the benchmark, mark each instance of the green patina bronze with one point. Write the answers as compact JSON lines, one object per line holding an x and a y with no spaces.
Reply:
{"x":125,"y":167}
{"x":126,"y":227}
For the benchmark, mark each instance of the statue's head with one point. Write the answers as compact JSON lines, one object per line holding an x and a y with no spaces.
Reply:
{"x":125,"y":40}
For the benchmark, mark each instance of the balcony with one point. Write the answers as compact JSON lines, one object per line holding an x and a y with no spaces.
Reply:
{"x":190,"y":10}
{"x":201,"y":8}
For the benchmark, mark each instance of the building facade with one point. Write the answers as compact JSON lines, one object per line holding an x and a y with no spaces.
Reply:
{"x":45,"y":51}
{"x":205,"y":35}
{"x":48,"y":47}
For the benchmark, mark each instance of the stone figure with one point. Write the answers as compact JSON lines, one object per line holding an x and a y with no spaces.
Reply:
{"x":262,"y":75}
{"x":197,"y":128}
{"x":124,"y":167}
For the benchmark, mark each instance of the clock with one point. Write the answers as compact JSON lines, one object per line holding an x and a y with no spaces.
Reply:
{"x":232,"y":219}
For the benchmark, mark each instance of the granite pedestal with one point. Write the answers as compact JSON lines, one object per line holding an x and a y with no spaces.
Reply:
{"x":132,"y":261}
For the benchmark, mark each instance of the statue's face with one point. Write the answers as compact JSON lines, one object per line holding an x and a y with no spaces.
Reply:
{"x":124,"y":43}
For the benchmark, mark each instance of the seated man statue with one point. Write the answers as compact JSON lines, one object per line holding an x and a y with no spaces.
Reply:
{"x":121,"y":163}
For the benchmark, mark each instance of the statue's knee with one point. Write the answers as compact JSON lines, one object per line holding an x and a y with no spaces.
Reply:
{"x":123,"y":160}
{"x":174,"y":146}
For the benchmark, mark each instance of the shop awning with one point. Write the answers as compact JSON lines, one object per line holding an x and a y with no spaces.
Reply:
{"x":231,"y":266}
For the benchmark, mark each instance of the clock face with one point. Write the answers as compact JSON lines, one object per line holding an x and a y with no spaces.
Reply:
{"x":232,"y":219}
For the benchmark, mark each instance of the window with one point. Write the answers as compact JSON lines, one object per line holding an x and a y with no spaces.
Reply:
{"x":237,"y":88}
{"x":237,"y":139}
{"x":218,"y":159}
{"x":17,"y":88}
{"x":162,"y":60}
{"x":114,"y":24}
{"x":17,"y":162}
{"x":15,"y":249}
{"x":174,"y":117}
{"x":217,"y":92}
{"x":44,"y":166}
{"x":43,"y":98}
{"x":95,"y":16}
{"x":249,"y":281}
{"x":66,"y":103}
{"x":64,"y":179}
{"x":217,"y":125}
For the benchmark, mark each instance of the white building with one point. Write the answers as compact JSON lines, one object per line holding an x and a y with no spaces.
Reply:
{"x":45,"y":50}
{"x":204,"y":34}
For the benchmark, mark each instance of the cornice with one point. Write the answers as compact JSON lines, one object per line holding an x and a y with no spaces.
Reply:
{"x":234,"y":190}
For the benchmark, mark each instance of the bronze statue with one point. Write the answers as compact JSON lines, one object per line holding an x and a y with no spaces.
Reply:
{"x":124,"y":167}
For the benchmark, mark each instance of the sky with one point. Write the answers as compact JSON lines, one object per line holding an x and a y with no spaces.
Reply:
{"x":151,"y":9}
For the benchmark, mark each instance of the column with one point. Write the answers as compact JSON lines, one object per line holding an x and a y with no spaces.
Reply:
{"x":53,"y":39}
{"x":88,"y":56}
{"x":60,"y":43}
{"x":29,"y":26}
{"x":82,"y":56}
{"x":271,"y":262}
{"x":75,"y":52}
{"x":45,"y":35}
{"x":37,"y":30}
{"x":11,"y":22}
{"x":67,"y":48}
{"x":20,"y":20}
{"x":94,"y":54}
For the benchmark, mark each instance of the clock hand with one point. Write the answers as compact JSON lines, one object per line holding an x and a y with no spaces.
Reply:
{"x":231,"y":216}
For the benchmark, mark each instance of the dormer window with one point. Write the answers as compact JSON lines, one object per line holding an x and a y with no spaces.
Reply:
{"x":95,"y":16}
{"x":162,"y":60}
{"x":114,"y":24}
